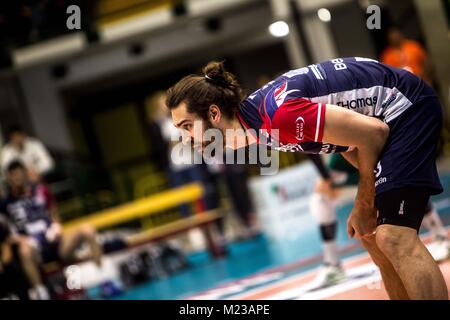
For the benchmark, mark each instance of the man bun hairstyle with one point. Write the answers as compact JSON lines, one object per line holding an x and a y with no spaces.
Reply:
{"x":216,"y":86}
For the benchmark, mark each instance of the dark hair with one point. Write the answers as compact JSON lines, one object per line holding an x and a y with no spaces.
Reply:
{"x":15,"y":164}
{"x":216,"y":86}
{"x":14,"y":129}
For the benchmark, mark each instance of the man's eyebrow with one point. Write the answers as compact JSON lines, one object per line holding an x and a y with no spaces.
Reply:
{"x":180,"y":123}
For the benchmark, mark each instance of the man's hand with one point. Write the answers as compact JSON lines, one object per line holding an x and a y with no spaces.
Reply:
{"x":362,"y":222}
{"x":54,"y":232}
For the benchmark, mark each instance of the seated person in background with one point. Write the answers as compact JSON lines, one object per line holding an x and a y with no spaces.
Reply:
{"x":33,"y":213}
{"x":30,"y":151}
{"x":18,"y":270}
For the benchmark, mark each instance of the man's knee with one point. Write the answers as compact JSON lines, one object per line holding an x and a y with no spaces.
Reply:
{"x":377,"y":256}
{"x":27,"y":252}
{"x":396,"y":241}
{"x":88,"y":232}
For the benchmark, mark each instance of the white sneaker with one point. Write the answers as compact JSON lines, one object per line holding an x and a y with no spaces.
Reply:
{"x":39,"y":293}
{"x":439,"y":249}
{"x":328,"y":276}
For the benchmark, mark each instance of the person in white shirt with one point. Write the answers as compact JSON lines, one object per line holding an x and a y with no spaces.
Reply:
{"x":29,"y":151}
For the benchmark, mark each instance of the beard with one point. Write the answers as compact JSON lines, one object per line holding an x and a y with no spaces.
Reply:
{"x":211,"y":150}
{"x":212,"y":143}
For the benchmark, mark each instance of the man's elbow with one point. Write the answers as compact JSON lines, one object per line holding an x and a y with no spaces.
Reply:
{"x":375,"y":137}
{"x":381,"y":133}
{"x":384,"y":131}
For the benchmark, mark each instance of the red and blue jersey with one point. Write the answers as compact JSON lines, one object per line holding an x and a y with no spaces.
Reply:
{"x":290,"y":110}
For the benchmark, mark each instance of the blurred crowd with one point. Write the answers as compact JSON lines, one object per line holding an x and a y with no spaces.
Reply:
{"x":31,"y":233}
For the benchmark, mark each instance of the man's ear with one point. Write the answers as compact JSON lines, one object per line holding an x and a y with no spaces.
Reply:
{"x":214,"y":113}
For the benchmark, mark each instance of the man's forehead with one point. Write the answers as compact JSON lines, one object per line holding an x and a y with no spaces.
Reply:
{"x":180,"y":114}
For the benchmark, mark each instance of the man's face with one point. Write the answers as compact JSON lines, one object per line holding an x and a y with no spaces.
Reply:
{"x":192,"y":127}
{"x":18,"y":139}
{"x":17,"y":178}
{"x":395,"y":37}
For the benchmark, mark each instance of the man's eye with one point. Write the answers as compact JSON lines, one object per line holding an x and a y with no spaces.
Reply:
{"x":188,"y":127}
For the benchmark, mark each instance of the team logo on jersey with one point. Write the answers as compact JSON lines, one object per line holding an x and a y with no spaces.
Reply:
{"x":280,"y":94}
{"x":299,"y":125}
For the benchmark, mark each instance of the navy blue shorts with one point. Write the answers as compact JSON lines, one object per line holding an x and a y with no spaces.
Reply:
{"x":403,"y":207}
{"x":408,"y":159}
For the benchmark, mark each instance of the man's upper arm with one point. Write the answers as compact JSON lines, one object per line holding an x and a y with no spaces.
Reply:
{"x":46,"y":163}
{"x":345,"y":127}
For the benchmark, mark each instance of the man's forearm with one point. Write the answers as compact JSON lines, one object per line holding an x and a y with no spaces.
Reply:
{"x":366,"y":190}
{"x":351,"y":157}
{"x":367,"y":160}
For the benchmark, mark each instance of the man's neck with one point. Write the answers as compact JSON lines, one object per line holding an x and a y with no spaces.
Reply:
{"x":242,"y":136}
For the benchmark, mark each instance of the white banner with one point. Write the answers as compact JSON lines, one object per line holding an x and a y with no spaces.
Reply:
{"x":282,"y":200}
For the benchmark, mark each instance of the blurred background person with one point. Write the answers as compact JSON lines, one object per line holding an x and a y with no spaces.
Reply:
{"x":408,"y":54}
{"x":156,"y":118}
{"x":182,"y":164}
{"x":19,"y":270}
{"x":33,"y":214}
{"x":30,"y":151}
{"x":236,"y":181}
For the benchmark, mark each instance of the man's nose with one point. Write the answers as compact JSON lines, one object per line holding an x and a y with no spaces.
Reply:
{"x":187,"y":139}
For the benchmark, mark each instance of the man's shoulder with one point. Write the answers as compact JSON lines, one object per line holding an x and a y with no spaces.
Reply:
{"x":32,"y":141}
{"x":7,"y":148}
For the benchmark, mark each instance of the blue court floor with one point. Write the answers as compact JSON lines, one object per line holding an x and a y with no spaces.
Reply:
{"x":260,"y":254}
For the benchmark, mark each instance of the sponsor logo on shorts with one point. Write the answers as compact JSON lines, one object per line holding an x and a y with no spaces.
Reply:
{"x":378,"y":169}
{"x":380,"y":181}
{"x":402,"y":204}
{"x":377,"y":172}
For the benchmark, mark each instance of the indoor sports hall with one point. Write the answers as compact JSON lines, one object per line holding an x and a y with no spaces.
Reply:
{"x":102,"y":197}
